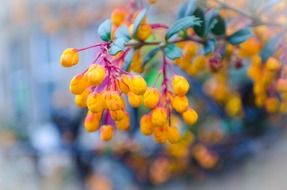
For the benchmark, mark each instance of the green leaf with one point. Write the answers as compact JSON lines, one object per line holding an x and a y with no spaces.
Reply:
{"x":190,"y":7}
{"x":138,"y":21}
{"x":220,"y":27}
{"x":182,"y":24}
{"x":181,"y":11}
{"x":209,"y":46}
{"x":128,"y":60}
{"x":117,"y":46}
{"x":210,"y":20}
{"x":199,"y":29}
{"x":150,"y":55}
{"x":239,"y":36}
{"x":104,"y":30}
{"x":172,"y":51}
{"x":123,"y":32}
{"x":270,"y":47}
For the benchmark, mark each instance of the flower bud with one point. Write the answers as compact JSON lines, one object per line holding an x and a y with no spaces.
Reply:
{"x":249,"y":48}
{"x":190,"y":116}
{"x":117,"y":115}
{"x":134,"y":100}
{"x":151,"y":97}
{"x":180,"y":103}
{"x":199,"y":62}
{"x":96,"y":102}
{"x":92,"y":121}
{"x":96,"y":74}
{"x":106,"y":132}
{"x":143,"y":32}
{"x":180,"y":85}
{"x":124,"y":123}
{"x":118,"y":16}
{"x":172,"y":134}
{"x":146,"y":127}
{"x":69,"y":57}
{"x":159,"y":116}
{"x":78,"y":84}
{"x":81,"y":100}
{"x":114,"y":101}
{"x":124,"y":83}
{"x":160,"y":135}
{"x":273,"y":64}
{"x":138,"y":85}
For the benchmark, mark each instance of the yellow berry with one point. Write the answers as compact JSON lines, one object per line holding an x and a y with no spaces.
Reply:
{"x":190,"y":116}
{"x":180,"y":85}
{"x":96,"y":102}
{"x":190,"y":49}
{"x":134,"y":100}
{"x":69,"y":57}
{"x":114,"y":101}
{"x":146,"y":127}
{"x":151,"y":97}
{"x":124,"y":83}
{"x":180,"y":103}
{"x":143,"y":32}
{"x":138,"y":85}
{"x":199,"y":62}
{"x":96,"y":74}
{"x":172,"y":134}
{"x":124,"y":123}
{"x":81,"y":100}
{"x":118,"y":16}
{"x":159,"y":116}
{"x":117,"y":115}
{"x":92,"y":121}
{"x":106,"y":132}
{"x":78,"y":84}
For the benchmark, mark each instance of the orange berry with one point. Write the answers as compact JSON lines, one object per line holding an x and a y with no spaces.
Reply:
{"x":138,"y":85}
{"x":160,"y":135}
{"x":249,"y":48}
{"x":136,"y":63}
{"x":172,"y":134}
{"x":124,"y":83}
{"x":106,"y":132}
{"x":272,"y":104}
{"x":81,"y":100}
{"x":69,"y":57}
{"x":159,"y":116}
{"x":114,"y":101}
{"x":273,"y":64}
{"x":281,"y":85}
{"x":124,"y":123}
{"x":143,"y":32}
{"x":117,"y":115}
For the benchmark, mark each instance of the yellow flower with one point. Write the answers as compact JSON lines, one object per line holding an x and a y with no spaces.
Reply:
{"x":114,"y":101}
{"x":159,"y":116}
{"x":96,"y":102}
{"x":138,"y":85}
{"x":69,"y":57}
{"x":117,"y":115}
{"x":172,"y":134}
{"x":143,"y":32}
{"x":106,"y":132}
{"x":81,"y":100}
{"x":151,"y":97}
{"x":146,"y":127}
{"x":96,"y":74}
{"x":118,"y":16}
{"x":190,"y":116}
{"x":180,"y":85}
{"x":78,"y":84}
{"x":92,"y":121}
{"x":124,"y":123}
{"x":134,"y":100}
{"x":180,"y":103}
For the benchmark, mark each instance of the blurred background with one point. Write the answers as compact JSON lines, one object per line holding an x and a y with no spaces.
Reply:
{"x":42,"y":141}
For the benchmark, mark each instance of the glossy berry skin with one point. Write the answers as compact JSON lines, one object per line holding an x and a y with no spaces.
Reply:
{"x":180,"y":85}
{"x":69,"y":57}
{"x":190,"y":116}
